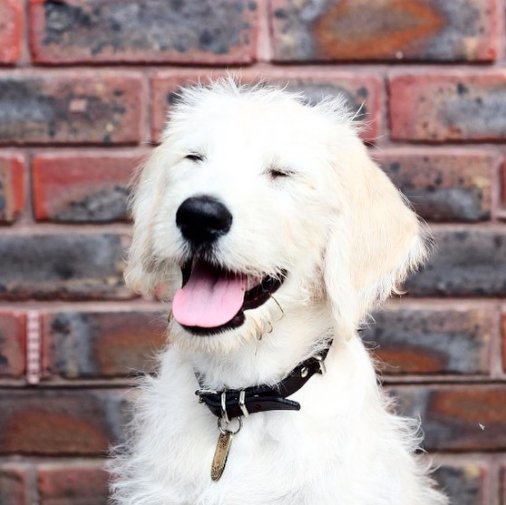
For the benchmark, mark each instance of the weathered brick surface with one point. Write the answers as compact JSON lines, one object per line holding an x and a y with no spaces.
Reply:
{"x":13,"y":484}
{"x":466,"y":262}
{"x":60,"y":422}
{"x":463,"y":484}
{"x":451,"y":186}
{"x":457,"y":417}
{"x":455,"y":106}
{"x":93,"y":84}
{"x":74,"y":108}
{"x":504,"y":341}
{"x":503,"y":180}
{"x":363,"y":92}
{"x":11,"y":30}
{"x":76,"y":266}
{"x":78,"y":483}
{"x":82,"y":187}
{"x":432,"y":30}
{"x":432,"y":341}
{"x":12,"y":344}
{"x":211,"y":32}
{"x":12,"y":191}
{"x":101,"y":344}
{"x":503,"y":484}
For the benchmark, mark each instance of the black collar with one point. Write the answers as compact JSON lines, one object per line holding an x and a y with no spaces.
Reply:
{"x":230,"y":403}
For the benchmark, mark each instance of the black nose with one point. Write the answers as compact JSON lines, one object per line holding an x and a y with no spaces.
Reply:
{"x":203,"y":219}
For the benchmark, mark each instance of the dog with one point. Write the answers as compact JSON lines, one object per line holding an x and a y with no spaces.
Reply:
{"x":273,"y":233}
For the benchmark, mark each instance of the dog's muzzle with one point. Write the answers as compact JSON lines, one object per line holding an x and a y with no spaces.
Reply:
{"x":212,"y":299}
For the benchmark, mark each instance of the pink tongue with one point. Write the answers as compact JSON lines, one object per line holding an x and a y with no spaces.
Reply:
{"x":210,"y":298}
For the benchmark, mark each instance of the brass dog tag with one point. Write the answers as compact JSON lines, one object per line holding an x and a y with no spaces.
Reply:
{"x":221,"y":454}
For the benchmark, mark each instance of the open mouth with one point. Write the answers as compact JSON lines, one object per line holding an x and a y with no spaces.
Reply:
{"x":213,"y":299}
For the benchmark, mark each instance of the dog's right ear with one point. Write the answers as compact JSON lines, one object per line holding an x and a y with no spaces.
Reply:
{"x":139,"y":273}
{"x":374,"y":241}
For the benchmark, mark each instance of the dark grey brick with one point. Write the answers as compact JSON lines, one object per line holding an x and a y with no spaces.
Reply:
{"x":75,"y":108}
{"x":462,"y":484}
{"x":75,"y":266}
{"x":470,"y":262}
{"x":217,"y":31}
{"x":450,"y":186}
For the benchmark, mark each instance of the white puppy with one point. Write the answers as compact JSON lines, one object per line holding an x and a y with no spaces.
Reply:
{"x":274,"y":234}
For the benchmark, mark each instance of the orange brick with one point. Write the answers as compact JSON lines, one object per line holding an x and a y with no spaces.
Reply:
{"x":12,"y":344}
{"x":389,"y":30}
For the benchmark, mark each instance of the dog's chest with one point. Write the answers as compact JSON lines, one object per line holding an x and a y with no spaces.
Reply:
{"x":328,"y":453}
{"x":268,"y":462}
{"x":276,"y":458}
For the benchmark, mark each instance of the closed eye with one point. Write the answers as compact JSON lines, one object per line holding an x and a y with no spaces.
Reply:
{"x":277,"y":173}
{"x":196,"y":157}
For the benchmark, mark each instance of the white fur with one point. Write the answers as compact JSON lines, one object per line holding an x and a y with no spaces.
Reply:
{"x":346,"y":238}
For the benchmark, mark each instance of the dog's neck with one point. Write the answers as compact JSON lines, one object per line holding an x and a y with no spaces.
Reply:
{"x":269,"y":359}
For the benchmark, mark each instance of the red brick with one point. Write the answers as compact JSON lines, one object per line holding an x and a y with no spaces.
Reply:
{"x":11,"y":30}
{"x":68,"y":266}
{"x":60,"y":422}
{"x":12,"y":190}
{"x":390,"y":30}
{"x":443,"y":186}
{"x":101,"y":344}
{"x":457,"y":418}
{"x":464,"y":484}
{"x":466,"y":262}
{"x":503,"y":180}
{"x":82,"y":187}
{"x":432,"y":341}
{"x":72,"y":108}
{"x":210,"y":32}
{"x":456,"y":106}
{"x":76,"y":483}
{"x":363,"y":92}
{"x":504,"y":342}
{"x":14,"y":484}
{"x":12,"y":345}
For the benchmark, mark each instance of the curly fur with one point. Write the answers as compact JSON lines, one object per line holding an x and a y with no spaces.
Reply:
{"x":346,"y":238}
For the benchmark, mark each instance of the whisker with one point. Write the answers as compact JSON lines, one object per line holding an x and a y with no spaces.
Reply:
{"x":278,"y":304}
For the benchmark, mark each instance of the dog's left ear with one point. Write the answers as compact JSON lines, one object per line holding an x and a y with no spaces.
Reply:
{"x":374,"y":242}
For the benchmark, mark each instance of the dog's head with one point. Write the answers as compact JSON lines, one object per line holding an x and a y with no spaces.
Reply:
{"x":255,"y":203}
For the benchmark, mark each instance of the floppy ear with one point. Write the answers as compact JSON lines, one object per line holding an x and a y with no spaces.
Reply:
{"x":373,"y":244}
{"x":140,"y":274}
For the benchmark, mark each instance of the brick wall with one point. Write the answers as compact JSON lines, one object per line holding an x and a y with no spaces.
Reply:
{"x":84,"y":89}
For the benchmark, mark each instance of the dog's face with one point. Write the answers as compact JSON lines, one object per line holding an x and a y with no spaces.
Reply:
{"x":256,"y":204}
